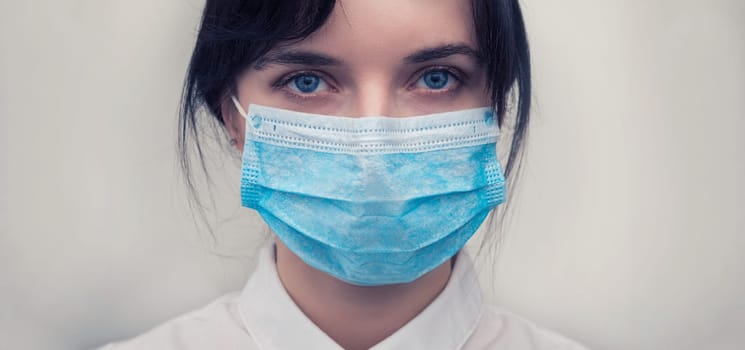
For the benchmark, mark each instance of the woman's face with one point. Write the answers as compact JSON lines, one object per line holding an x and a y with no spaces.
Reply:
{"x":372,"y":58}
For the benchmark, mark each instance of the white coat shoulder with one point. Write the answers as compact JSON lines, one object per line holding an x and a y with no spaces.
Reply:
{"x":214,"y":326}
{"x":499,"y":329}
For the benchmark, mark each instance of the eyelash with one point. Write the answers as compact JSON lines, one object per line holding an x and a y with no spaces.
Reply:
{"x":282,"y":83}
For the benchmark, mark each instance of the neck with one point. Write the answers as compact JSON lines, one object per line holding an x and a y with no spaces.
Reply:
{"x":356,"y":317}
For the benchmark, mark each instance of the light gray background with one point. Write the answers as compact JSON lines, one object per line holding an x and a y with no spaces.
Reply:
{"x":629,"y":225}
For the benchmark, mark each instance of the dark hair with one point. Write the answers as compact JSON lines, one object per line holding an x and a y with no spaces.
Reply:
{"x":235,"y":33}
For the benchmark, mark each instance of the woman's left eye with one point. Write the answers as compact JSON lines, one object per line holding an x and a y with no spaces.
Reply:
{"x":307,"y":83}
{"x":437,"y":79}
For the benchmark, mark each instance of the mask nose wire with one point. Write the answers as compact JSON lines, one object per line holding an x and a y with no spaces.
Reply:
{"x":238,"y":106}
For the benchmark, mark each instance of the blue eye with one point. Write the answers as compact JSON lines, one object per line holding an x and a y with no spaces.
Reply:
{"x":306,"y":83}
{"x":435,"y":79}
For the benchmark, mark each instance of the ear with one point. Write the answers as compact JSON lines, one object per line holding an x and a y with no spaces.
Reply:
{"x":234,"y":123}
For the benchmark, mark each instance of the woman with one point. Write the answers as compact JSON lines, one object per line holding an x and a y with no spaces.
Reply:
{"x":368,"y":131}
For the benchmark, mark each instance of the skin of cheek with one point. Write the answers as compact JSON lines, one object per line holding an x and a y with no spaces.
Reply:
{"x":250,"y":92}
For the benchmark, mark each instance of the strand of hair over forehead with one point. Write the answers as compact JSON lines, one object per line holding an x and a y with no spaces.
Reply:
{"x":269,"y":20}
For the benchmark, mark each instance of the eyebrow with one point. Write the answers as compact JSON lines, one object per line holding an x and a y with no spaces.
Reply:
{"x":438,"y":52}
{"x":305,"y":58}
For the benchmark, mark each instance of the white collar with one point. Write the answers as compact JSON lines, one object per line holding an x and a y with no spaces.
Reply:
{"x":275,"y":322}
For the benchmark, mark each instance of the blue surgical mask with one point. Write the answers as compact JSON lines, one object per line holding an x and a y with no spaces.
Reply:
{"x":372,"y":200}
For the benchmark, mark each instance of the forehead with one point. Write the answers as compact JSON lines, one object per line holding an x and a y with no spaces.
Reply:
{"x":378,"y":31}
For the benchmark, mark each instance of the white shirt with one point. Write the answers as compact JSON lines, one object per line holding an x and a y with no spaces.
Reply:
{"x":263,"y":316}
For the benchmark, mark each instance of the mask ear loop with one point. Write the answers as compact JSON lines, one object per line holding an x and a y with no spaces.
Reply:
{"x":238,"y":106}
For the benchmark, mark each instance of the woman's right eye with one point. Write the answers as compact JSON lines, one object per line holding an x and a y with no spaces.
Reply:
{"x":306,"y":84}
